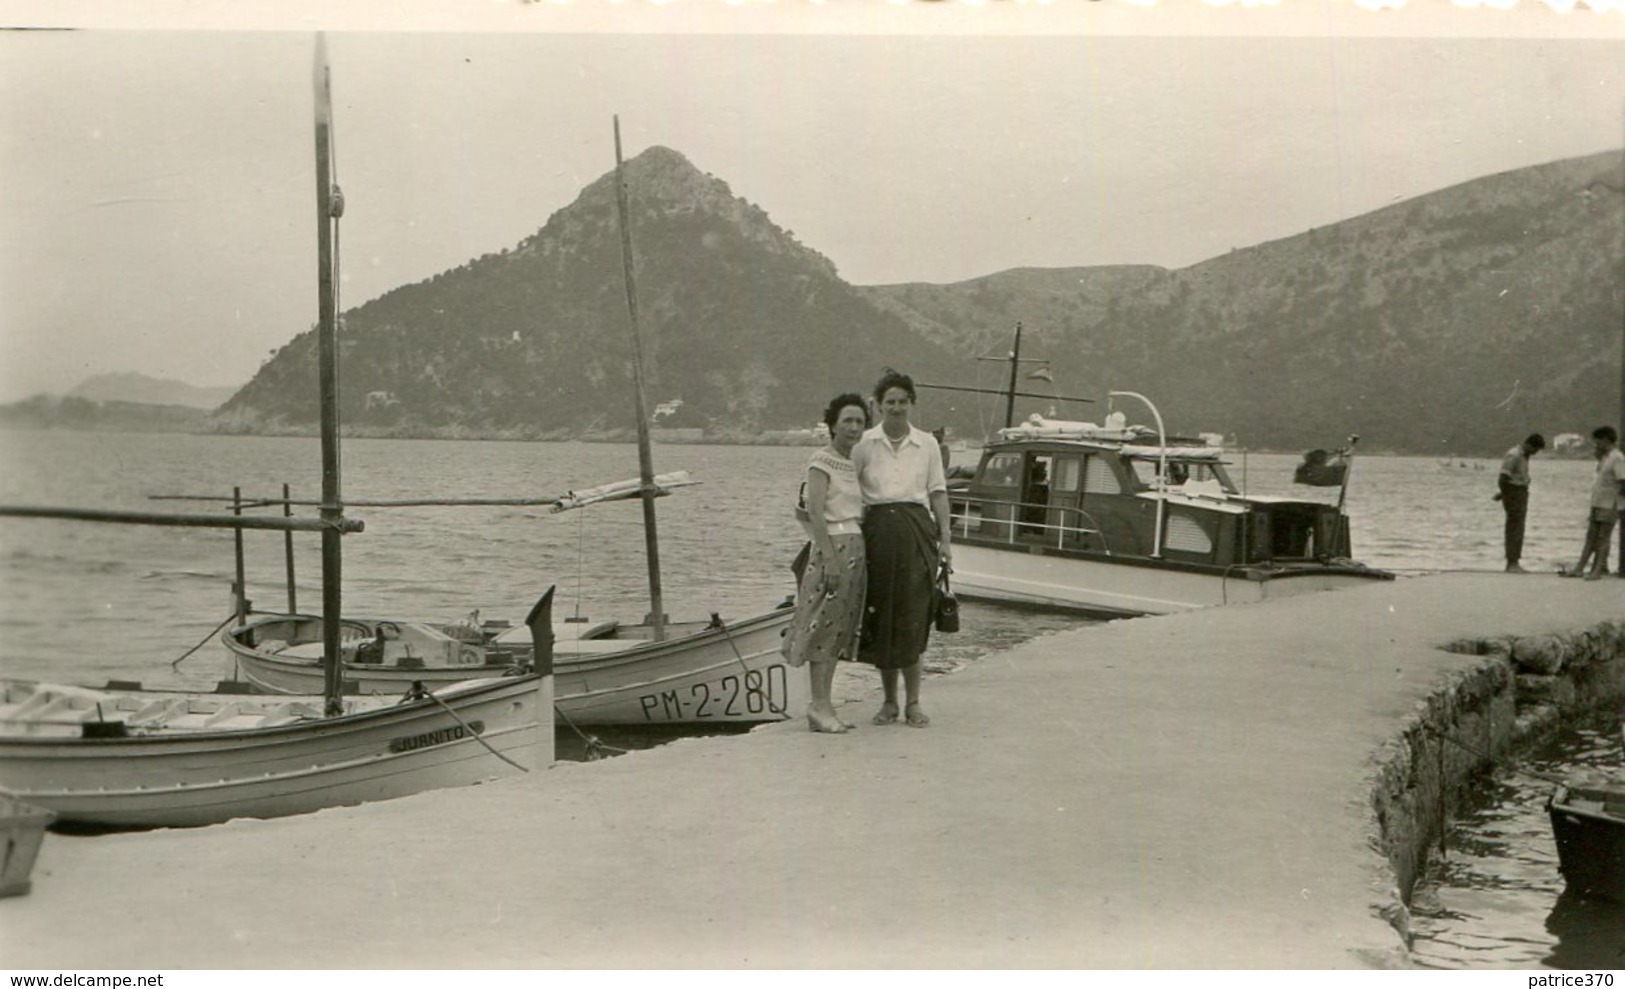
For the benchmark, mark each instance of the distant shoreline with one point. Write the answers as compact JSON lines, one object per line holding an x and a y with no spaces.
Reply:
{"x":662,"y":437}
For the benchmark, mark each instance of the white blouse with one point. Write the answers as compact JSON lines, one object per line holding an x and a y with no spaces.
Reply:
{"x":908,"y":471}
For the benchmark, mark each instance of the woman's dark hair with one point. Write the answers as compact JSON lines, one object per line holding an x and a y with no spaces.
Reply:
{"x":894,"y":379}
{"x":832,"y":413}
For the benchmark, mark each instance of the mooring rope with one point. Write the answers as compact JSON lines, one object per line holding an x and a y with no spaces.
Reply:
{"x":202,"y":642}
{"x":595,"y":745}
{"x":1444,"y":833}
{"x":1490,"y":758}
{"x":417,"y":692}
{"x":722,"y":626}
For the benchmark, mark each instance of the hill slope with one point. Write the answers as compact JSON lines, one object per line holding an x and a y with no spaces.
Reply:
{"x":1459,"y":320}
{"x":1456,"y":321}
{"x":750,"y":329}
{"x":143,"y":390}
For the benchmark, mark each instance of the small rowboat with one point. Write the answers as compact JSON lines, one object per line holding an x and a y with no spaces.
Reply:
{"x":1589,"y":827}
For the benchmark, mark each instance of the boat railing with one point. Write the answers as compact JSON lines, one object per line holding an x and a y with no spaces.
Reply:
{"x":1075,"y":523}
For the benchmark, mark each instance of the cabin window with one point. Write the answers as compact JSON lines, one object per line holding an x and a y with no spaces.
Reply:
{"x":1002,"y":470}
{"x":1098,"y":477}
{"x":1179,"y":471}
{"x":1068,"y":475}
{"x":1035,"y":493}
{"x":1186,"y":535}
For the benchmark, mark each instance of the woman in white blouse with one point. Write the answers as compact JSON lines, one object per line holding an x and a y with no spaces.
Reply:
{"x":905,"y":532}
{"x":829,"y":600}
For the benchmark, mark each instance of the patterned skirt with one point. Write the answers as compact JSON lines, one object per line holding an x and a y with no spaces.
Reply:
{"x":826,"y":625}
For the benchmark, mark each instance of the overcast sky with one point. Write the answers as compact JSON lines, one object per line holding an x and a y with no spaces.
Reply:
{"x":158,"y":187}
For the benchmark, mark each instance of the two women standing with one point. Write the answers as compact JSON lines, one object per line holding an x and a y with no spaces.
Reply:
{"x":905,"y":530}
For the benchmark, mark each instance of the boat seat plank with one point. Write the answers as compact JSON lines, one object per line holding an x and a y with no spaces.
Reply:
{"x":594,"y":647}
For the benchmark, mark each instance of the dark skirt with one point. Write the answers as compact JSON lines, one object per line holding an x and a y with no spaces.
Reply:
{"x":900,"y":546}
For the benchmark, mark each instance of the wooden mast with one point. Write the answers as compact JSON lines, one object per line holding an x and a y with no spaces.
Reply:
{"x":646,"y":471}
{"x":1015,"y":367}
{"x":328,"y":208}
{"x":1009,"y":394}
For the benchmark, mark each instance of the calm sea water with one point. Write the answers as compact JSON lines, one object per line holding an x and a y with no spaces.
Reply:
{"x":84,"y":602}
{"x":1494,"y":898}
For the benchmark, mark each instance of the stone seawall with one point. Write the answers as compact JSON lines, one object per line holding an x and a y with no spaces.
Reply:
{"x":1519,"y":694}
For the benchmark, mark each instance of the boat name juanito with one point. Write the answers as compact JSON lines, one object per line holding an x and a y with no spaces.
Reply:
{"x":439,"y":736}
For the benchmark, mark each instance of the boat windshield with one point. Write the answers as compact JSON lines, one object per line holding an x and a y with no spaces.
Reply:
{"x":1181,"y":472}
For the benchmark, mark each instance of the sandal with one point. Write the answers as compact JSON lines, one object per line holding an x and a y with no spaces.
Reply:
{"x":887,"y":715}
{"x":916,"y":716}
{"x":817,"y":725}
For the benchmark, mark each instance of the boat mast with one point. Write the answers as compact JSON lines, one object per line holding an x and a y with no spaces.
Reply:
{"x":646,"y":470}
{"x":1015,"y":360}
{"x":329,"y":206}
{"x":1015,"y":366}
{"x":1348,"y":468}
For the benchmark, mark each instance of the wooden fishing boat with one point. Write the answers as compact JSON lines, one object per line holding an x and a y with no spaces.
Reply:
{"x":132,"y":757}
{"x":605,"y":672}
{"x":155,"y":758}
{"x":1120,"y":520}
{"x":1588,"y":824}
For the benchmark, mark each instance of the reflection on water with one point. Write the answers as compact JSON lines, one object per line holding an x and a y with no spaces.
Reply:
{"x":1495,"y":899}
{"x":1586,"y":934}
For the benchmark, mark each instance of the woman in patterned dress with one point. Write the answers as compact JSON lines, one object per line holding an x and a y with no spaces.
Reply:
{"x":829,"y":601}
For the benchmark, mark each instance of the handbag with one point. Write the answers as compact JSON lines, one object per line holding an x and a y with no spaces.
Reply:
{"x":944,"y":606}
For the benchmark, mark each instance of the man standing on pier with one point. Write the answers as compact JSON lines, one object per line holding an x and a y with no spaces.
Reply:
{"x":1607,"y":500}
{"x":1514,"y":495}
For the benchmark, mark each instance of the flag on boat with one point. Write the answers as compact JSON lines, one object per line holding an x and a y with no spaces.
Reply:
{"x":1323,"y":468}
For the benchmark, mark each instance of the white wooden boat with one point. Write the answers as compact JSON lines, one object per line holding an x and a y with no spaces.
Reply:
{"x":152,"y":758}
{"x":606,"y":673}
{"x":156,"y":758}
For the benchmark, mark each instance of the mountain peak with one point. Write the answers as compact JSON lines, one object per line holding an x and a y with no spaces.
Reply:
{"x":662,"y":181}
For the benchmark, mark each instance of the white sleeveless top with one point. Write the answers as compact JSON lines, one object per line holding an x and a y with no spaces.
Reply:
{"x":843,"y":502}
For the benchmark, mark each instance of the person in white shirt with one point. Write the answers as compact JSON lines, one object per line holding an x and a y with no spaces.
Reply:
{"x":906,"y":540}
{"x":1607,"y":496}
{"x":829,"y":600}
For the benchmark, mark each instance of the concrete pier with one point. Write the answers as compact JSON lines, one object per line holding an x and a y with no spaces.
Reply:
{"x":1195,"y":791}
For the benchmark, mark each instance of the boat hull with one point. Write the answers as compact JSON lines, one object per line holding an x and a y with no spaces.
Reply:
{"x":702,"y":674}
{"x":183,"y":777}
{"x":1127,"y":587}
{"x":1589,"y":829}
